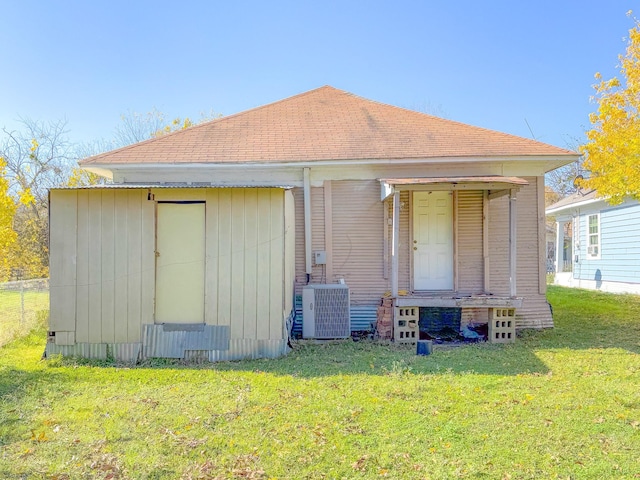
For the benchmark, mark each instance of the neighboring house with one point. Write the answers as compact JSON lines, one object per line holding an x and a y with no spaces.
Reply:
{"x":603,"y":251}
{"x":207,"y":236}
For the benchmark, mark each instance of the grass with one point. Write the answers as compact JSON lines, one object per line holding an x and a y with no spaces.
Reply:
{"x":14,"y":321}
{"x":562,"y":403}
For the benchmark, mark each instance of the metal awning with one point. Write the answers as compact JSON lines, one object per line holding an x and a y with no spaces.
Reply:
{"x":491,"y":182}
{"x":118,"y":186}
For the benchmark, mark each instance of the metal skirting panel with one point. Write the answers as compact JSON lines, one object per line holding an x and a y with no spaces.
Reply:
{"x":174,"y":340}
{"x":122,"y":352}
{"x":244,"y":348}
{"x":363,"y":318}
{"x":237,"y":349}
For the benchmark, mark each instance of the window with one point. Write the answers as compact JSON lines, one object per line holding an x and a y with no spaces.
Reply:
{"x":593,"y":239}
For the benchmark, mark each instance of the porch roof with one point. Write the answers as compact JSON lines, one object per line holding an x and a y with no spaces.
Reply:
{"x":491,"y":182}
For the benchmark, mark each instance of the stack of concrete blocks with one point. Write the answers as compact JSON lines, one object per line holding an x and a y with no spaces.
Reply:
{"x":502,"y":325}
{"x":384,"y":324}
{"x":405,"y":328}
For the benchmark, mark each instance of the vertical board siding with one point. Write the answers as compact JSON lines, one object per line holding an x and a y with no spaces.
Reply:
{"x":237,"y":263}
{"x":251,"y":263}
{"x":470,"y":263}
{"x":212,"y":241}
{"x":95,"y":266}
{"x":63,"y":260}
{"x":276,"y":278}
{"x":103,"y":253}
{"x":107,"y":267}
{"x":82,"y":269}
{"x":106,"y":293}
{"x":358,"y":239}
{"x":148,"y":262}
{"x":245,"y":262}
{"x":224,"y":258}
{"x":263,"y":297}
{"x":121,"y":287}
{"x":134,"y":265}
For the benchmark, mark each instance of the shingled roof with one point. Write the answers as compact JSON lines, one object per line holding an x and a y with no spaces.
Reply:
{"x":322,"y":125}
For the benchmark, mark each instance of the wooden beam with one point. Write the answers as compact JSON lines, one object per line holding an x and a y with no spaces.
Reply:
{"x":512,"y":242}
{"x":485,"y":242}
{"x":498,"y":194}
{"x":385,"y":242}
{"x":542,"y":237}
{"x":394,"y":244}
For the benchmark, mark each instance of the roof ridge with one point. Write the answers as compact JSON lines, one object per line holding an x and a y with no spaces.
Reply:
{"x":207,"y":123}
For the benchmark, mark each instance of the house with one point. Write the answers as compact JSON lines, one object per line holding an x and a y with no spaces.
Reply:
{"x":597,"y":244}
{"x":207,"y":236}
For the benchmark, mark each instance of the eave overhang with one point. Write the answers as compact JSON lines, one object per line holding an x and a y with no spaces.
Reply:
{"x":492,"y":182}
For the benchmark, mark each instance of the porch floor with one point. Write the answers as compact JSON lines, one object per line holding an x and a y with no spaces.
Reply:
{"x":456,"y":300}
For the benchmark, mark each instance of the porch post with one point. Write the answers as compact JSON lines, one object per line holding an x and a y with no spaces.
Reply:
{"x":512,"y":242}
{"x":394,"y":244}
{"x":559,"y":246}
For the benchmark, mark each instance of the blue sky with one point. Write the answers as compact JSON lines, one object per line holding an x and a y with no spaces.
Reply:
{"x":496,"y":64}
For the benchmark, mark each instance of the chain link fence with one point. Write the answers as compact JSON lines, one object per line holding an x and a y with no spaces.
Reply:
{"x":23,"y":305}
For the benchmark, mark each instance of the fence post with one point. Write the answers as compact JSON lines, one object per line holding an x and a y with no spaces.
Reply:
{"x":22,"y":302}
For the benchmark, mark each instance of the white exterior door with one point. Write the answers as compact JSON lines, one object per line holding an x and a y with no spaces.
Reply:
{"x":432,"y":240}
{"x":180,"y":253}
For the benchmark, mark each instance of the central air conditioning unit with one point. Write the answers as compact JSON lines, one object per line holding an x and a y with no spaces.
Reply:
{"x":325,"y":311}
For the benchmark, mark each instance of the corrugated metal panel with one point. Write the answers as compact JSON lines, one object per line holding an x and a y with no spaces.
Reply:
{"x":121,"y":352}
{"x":172,"y":340}
{"x":470,"y":264}
{"x":84,"y":350}
{"x":126,"y":352}
{"x":130,"y":352}
{"x":358,"y":239}
{"x":240,"y":349}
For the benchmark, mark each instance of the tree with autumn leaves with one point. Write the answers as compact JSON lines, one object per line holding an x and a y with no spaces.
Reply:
{"x":613,"y":144}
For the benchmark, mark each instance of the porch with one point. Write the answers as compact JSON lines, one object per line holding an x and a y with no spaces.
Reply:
{"x":478,"y":305}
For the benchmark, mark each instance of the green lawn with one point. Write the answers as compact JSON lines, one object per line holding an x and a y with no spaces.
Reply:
{"x":19,"y":312}
{"x":563,"y":403}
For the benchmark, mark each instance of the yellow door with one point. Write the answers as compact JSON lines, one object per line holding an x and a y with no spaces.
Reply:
{"x":433,"y":241}
{"x":180,"y":253}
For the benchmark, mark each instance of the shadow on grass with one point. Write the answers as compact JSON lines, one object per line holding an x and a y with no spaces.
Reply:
{"x":335,"y":358}
{"x":583,"y":319}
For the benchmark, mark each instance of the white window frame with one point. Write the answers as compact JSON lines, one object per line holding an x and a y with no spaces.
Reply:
{"x":594,"y":244}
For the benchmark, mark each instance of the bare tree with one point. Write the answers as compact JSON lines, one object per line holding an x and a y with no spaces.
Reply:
{"x":38,"y":157}
{"x":562,"y":180}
